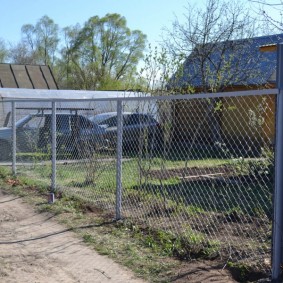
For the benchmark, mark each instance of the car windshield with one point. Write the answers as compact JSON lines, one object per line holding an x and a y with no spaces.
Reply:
{"x":110,"y":119}
{"x":100,"y":118}
{"x":24,"y":120}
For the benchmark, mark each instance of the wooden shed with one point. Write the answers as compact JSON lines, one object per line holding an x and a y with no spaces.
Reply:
{"x":243,"y":120}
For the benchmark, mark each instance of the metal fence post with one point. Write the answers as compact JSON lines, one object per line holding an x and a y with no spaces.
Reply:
{"x":278,"y":191}
{"x":14,"y":139}
{"x":119,"y":159}
{"x":53,"y":153}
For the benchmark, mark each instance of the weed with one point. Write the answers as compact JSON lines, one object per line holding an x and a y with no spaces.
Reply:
{"x":192,"y":244}
{"x":261,"y":168}
{"x":88,"y":238}
{"x":235,"y":214}
{"x":240,"y":269}
{"x":4,"y":172}
{"x":193,"y":209}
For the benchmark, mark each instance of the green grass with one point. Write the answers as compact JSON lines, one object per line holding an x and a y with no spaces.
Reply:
{"x":251,"y":198}
{"x":145,"y":249}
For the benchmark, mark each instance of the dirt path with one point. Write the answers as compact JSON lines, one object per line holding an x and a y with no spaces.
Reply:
{"x":36,"y":249}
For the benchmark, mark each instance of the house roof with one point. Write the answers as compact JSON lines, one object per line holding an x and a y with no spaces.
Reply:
{"x":26,"y":76}
{"x":230,"y":63}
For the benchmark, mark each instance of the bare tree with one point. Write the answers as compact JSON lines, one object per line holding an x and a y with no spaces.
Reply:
{"x":21,"y":54}
{"x":271,"y":11}
{"x":42,"y":40}
{"x":3,"y":51}
{"x":210,"y":43}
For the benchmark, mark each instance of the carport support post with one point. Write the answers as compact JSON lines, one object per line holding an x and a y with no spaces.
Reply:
{"x":119,"y":159}
{"x":278,"y":190}
{"x":53,"y":153}
{"x":14,"y":139}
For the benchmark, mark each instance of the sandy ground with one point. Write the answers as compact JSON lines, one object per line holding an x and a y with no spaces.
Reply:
{"x":36,"y":249}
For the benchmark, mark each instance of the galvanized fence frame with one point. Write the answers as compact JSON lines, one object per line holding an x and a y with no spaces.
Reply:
{"x":277,"y":246}
{"x":278,"y":193}
{"x":277,"y":243}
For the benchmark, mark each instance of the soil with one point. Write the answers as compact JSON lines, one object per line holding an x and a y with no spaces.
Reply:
{"x":193,"y":173}
{"x":36,"y":249}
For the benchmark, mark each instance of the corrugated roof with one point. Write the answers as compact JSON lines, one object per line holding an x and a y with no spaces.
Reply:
{"x":26,"y":76}
{"x":243,"y":63}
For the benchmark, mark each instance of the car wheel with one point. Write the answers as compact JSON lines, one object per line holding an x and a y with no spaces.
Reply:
{"x":155,"y":141}
{"x":5,"y":151}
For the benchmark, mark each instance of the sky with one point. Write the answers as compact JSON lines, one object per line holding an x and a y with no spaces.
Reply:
{"x":149,"y":16}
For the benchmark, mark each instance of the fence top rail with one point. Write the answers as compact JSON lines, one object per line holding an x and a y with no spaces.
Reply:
{"x":36,"y":95}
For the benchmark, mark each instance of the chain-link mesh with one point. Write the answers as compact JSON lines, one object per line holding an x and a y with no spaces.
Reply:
{"x":200,"y":170}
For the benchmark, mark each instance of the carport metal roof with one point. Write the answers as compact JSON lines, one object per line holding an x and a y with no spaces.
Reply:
{"x":13,"y":94}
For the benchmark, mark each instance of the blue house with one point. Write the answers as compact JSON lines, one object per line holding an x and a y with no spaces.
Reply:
{"x":228,"y":66}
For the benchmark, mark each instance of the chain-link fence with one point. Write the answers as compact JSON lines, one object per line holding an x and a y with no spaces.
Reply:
{"x":198,"y":168}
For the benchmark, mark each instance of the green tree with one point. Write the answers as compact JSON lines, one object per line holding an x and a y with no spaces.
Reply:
{"x":42,"y":40}
{"x":67,"y":71}
{"x":105,"y":53}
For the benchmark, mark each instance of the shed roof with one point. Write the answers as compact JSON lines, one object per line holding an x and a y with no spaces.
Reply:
{"x":243,"y":64}
{"x":26,"y":76}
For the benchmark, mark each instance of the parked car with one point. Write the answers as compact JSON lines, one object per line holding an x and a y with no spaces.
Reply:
{"x":75,"y":134}
{"x":139,"y":129}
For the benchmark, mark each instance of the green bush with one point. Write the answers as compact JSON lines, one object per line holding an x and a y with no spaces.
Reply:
{"x":263,"y":167}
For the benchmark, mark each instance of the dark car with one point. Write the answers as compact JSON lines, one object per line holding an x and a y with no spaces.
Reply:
{"x":74,"y":133}
{"x":139,"y":129}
